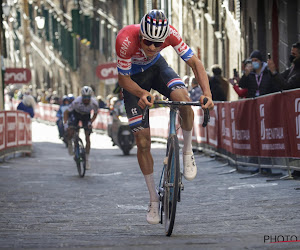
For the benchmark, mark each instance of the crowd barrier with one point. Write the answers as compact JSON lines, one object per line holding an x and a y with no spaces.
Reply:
{"x":15,"y":132}
{"x":263,"y":131}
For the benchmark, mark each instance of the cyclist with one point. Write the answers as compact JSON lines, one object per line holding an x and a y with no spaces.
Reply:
{"x":80,"y":110}
{"x":60,"y":116}
{"x":71,"y":98}
{"x":140,"y":68}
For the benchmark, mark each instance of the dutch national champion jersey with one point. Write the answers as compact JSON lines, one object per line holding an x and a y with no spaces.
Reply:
{"x":81,"y":108}
{"x":131,"y":57}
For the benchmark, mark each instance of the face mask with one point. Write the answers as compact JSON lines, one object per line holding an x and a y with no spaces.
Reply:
{"x":255,"y":65}
{"x":291,"y":58}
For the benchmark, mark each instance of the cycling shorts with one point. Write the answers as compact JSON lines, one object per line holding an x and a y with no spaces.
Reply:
{"x":75,"y":117}
{"x":159,"y":77}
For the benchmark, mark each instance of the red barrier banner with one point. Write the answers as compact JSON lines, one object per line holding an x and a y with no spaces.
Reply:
{"x":21,"y":128}
{"x":2,"y":130}
{"x":199,"y":133}
{"x":224,"y":129}
{"x":11,"y":129}
{"x":291,"y":105}
{"x":28,"y":130}
{"x":244,"y":128}
{"x":212,"y":128}
{"x":159,"y":122}
{"x":272,"y":126}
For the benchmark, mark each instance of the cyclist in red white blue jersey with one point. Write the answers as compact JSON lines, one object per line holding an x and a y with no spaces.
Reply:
{"x":141,"y":68}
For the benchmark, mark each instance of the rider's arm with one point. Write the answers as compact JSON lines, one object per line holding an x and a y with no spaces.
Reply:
{"x":202,"y":79}
{"x":132,"y":87}
{"x":66,"y":116}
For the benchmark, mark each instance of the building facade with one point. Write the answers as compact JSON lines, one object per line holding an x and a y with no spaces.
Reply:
{"x":78,"y":36}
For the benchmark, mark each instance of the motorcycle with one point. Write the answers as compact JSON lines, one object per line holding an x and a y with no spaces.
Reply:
{"x":119,"y":129}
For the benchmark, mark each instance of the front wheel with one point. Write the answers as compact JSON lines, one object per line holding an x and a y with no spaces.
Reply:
{"x":171,"y":184}
{"x":80,"y":157}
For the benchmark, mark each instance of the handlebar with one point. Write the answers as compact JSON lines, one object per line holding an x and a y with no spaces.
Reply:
{"x":181,"y":103}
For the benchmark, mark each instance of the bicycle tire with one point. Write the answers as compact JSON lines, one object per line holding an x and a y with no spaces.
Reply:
{"x":80,"y":158}
{"x":171,"y":184}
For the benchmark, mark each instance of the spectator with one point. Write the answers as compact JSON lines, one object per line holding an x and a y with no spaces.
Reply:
{"x":196,"y":91}
{"x":101,"y":103}
{"x":218,"y":85}
{"x":290,"y":78}
{"x":257,"y":78}
{"x":27,"y":105}
{"x":242,"y":93}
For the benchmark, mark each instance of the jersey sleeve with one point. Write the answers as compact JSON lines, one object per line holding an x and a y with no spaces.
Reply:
{"x":123,"y":51}
{"x":181,"y":48}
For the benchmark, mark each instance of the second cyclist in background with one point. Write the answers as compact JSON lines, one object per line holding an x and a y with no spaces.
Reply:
{"x":80,"y":110}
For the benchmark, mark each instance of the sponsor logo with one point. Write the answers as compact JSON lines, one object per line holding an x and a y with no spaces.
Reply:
{"x":182,"y":47}
{"x":124,"y":47}
{"x":124,"y":64}
{"x":17,"y":75}
{"x":134,"y":111}
{"x":297,"y":110}
{"x":175,"y":33}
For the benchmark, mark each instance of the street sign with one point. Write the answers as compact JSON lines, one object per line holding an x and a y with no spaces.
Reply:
{"x":107,"y":71}
{"x":17,"y":75}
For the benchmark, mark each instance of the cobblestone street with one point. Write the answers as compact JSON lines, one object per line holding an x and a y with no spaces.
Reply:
{"x":44,"y":204}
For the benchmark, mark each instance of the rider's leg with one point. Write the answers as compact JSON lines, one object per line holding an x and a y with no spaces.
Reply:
{"x":144,"y":156}
{"x":70,"y":133}
{"x":143,"y":142}
{"x":187,"y":114}
{"x":87,"y":148}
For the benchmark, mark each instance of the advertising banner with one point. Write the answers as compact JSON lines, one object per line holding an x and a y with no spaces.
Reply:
{"x":291,"y":100}
{"x":244,"y":128}
{"x":107,"y":71}
{"x":21,"y":129}
{"x":159,"y":122}
{"x":17,"y":75}
{"x":2,"y":130}
{"x":224,"y":126}
{"x":212,"y":128}
{"x":11,"y":129}
{"x":272,"y":126}
{"x":199,"y":133}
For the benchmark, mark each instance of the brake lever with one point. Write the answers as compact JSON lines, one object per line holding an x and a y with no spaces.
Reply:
{"x":206,"y":114}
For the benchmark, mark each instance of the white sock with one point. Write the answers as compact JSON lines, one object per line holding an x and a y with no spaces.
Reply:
{"x":187,"y":141}
{"x":151,"y":187}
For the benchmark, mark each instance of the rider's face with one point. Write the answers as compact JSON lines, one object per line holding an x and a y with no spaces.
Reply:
{"x":86,"y":100}
{"x":150,"y":48}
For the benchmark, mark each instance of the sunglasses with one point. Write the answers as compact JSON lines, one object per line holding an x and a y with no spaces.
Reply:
{"x":86,"y":97}
{"x":149,"y":43}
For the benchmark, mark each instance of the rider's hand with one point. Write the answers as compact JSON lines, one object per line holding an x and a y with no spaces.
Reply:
{"x":209,"y":104}
{"x":66,"y":126}
{"x":143,"y":102}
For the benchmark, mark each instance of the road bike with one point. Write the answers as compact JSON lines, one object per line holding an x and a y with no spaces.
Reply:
{"x":170,"y":184}
{"x":79,"y":152}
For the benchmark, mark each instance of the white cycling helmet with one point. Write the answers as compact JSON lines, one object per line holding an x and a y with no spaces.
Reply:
{"x":155,"y":26}
{"x":86,"y":91}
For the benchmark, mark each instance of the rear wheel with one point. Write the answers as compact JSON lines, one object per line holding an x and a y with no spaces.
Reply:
{"x":80,"y":158}
{"x":171,"y":184}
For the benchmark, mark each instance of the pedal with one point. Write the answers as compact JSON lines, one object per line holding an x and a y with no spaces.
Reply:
{"x":166,"y":160}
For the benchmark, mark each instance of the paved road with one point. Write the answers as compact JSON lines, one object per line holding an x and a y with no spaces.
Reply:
{"x":44,"y":204}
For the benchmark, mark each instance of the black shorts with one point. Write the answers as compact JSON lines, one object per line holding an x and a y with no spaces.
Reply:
{"x":75,"y":117}
{"x":161,"y":77}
